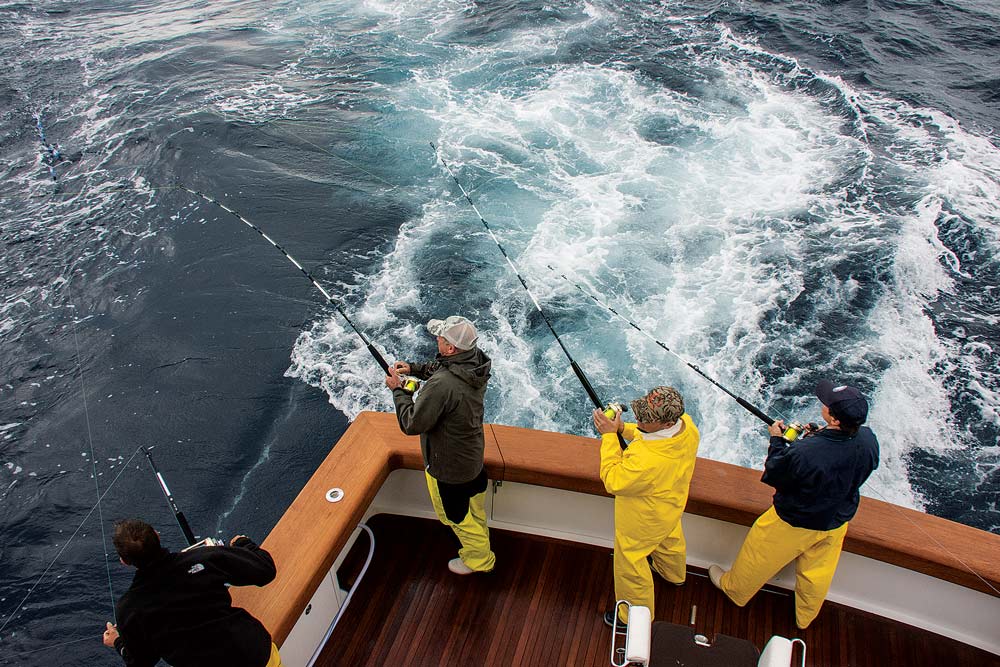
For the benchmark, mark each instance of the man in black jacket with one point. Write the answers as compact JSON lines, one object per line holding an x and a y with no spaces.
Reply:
{"x":817,"y":482}
{"x":448,"y":415}
{"x":178,"y":607}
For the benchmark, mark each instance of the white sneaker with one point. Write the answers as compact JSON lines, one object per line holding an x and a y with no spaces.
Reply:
{"x":458,"y":567}
{"x":715,"y":574}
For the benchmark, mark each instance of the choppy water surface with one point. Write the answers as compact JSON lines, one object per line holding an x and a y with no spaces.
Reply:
{"x":778,"y":192}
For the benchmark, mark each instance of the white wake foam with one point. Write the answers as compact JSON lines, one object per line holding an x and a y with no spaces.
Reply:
{"x":703,"y":217}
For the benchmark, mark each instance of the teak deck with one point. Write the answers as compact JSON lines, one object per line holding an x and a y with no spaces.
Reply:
{"x":312,"y":532}
{"x":542,"y":605}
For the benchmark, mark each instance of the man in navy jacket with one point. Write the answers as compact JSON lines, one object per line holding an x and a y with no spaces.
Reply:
{"x":817,"y":483}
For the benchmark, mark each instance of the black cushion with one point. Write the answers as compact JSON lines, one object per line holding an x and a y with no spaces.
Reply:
{"x":673,"y":644}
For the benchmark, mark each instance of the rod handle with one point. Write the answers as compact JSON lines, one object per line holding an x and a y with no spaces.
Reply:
{"x":754,"y":411}
{"x":379,"y":358}
{"x":185,"y":528}
{"x":621,"y":442}
{"x":594,"y":398}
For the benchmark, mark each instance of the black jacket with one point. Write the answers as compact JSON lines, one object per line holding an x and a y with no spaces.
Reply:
{"x":179,"y":609}
{"x":448,"y":414}
{"x":817,"y":479}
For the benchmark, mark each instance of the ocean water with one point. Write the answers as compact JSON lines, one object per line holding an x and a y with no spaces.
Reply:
{"x":779,"y":192}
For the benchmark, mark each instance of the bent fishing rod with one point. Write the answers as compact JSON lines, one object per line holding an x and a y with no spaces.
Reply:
{"x":179,"y":515}
{"x":607,"y":408}
{"x":182,"y":521}
{"x":410,"y":384}
{"x":743,"y":402}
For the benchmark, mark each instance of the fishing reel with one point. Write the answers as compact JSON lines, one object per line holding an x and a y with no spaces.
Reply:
{"x":207,"y":542}
{"x":794,"y":430}
{"x":410,"y":384}
{"x":613,"y":409}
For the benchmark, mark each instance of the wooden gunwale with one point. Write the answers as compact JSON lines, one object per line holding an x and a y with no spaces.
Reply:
{"x":313,"y":532}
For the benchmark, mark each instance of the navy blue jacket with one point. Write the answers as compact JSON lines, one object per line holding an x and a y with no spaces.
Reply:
{"x":817,"y":478}
{"x":179,"y":609}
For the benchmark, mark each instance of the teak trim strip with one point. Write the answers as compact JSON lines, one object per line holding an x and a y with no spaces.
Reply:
{"x":312,"y":532}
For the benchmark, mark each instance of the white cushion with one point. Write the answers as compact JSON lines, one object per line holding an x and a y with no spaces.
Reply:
{"x":639,"y":634}
{"x":777,"y":653}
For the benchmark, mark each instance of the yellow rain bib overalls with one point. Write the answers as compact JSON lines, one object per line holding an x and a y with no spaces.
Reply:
{"x":817,"y":482}
{"x":773,"y":543}
{"x":649,"y":481}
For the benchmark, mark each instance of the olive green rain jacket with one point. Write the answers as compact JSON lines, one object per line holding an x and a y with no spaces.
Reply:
{"x":649,"y":480}
{"x":447,"y":413}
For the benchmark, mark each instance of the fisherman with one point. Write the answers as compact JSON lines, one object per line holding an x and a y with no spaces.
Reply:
{"x":178,"y":607}
{"x":650,"y":482}
{"x":447,"y":413}
{"x":817,"y":482}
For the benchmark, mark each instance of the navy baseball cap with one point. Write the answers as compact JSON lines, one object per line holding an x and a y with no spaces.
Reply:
{"x":843,"y":401}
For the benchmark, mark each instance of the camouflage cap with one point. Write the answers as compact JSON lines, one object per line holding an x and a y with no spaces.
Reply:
{"x":661,"y":405}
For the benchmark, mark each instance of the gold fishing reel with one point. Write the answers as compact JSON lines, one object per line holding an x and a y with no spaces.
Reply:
{"x":613,"y":409}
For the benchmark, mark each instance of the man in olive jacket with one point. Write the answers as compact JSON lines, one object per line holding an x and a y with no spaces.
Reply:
{"x":447,"y":413}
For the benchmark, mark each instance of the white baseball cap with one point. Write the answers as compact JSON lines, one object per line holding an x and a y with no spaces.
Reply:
{"x":457,"y":330}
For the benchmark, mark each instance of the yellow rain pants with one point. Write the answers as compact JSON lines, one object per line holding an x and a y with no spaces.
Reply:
{"x":472,"y":532}
{"x":275,"y":659}
{"x":649,"y":481}
{"x":769,"y":546}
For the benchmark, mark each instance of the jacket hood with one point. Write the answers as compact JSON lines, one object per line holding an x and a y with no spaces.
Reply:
{"x":471,"y":367}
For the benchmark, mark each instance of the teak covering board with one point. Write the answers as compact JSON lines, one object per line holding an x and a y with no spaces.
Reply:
{"x":312,"y":532}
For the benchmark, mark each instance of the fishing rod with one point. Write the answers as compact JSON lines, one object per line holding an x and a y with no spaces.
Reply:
{"x":179,"y":515}
{"x":743,"y":402}
{"x":609,"y":409}
{"x":410,"y":383}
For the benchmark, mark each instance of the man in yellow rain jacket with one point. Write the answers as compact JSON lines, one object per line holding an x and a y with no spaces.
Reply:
{"x":649,"y":481}
{"x":816,"y":484}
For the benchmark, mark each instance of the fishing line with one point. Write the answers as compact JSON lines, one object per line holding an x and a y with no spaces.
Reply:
{"x":181,"y":520}
{"x":392,"y":186}
{"x":594,"y":398}
{"x":767,"y":420}
{"x":93,"y":463}
{"x":46,"y":648}
{"x":743,"y":403}
{"x":75,"y":532}
{"x":271,"y":294}
{"x":368,"y":344}
{"x":270,"y":121}
{"x":896,"y":508}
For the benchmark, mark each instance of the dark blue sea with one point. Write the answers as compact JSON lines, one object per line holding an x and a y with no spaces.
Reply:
{"x":779,"y":192}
